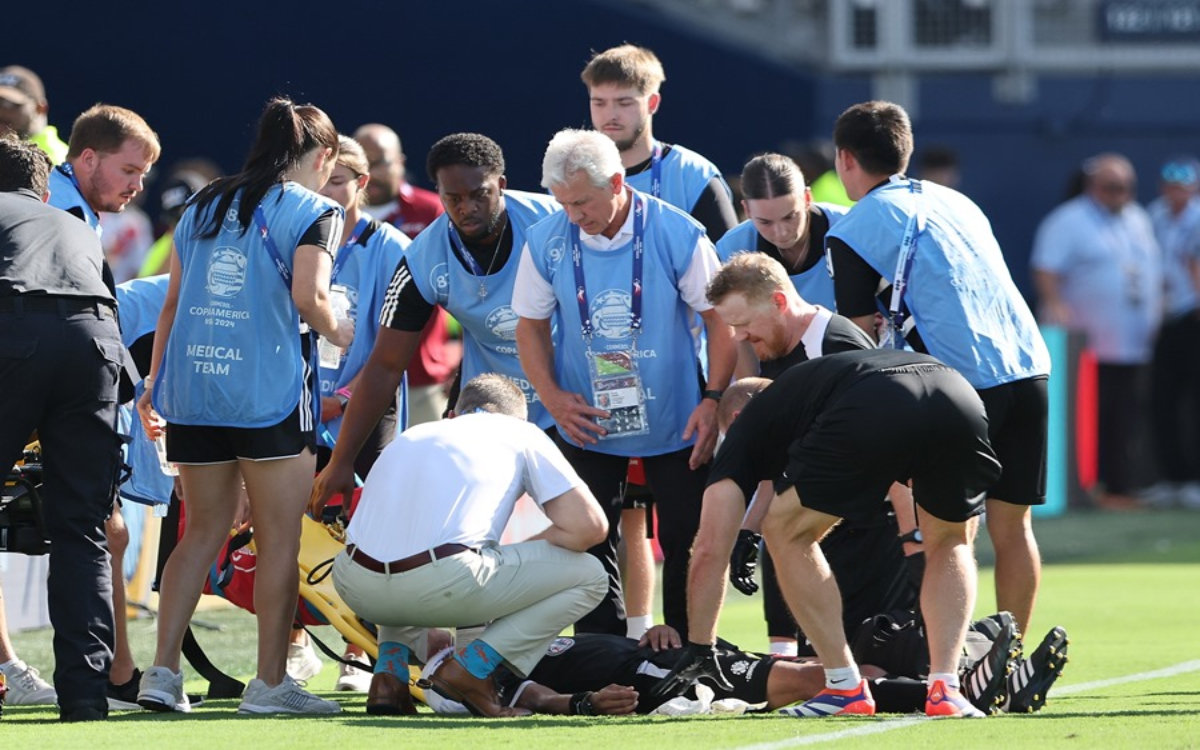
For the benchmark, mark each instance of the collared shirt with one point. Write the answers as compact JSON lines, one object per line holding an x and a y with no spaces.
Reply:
{"x":533,"y":296}
{"x":1110,"y":275}
{"x":1179,"y":238}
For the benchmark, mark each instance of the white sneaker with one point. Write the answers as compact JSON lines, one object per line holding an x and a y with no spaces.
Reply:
{"x":303,"y":662}
{"x":1189,"y":496}
{"x":352,"y":679}
{"x":161,"y":690}
{"x":26,"y":687}
{"x":285,"y":698}
{"x":1161,"y":495}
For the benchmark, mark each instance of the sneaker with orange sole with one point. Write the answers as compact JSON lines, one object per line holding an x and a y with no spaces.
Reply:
{"x":948,"y":703}
{"x":829,"y":702}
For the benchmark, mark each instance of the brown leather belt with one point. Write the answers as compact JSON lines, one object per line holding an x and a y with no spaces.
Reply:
{"x":408,"y":563}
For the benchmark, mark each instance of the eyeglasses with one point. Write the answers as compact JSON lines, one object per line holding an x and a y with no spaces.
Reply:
{"x":1115,"y":188}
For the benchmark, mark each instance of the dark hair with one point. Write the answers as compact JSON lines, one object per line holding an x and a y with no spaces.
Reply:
{"x":771,"y":176}
{"x":466,"y":149}
{"x":104,"y":128}
{"x":286,"y":132}
{"x":878,"y":134}
{"x":23,"y":165}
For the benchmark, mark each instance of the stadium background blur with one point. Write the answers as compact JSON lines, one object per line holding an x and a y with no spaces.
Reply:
{"x":1023,"y":90}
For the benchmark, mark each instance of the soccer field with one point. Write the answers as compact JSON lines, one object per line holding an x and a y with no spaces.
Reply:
{"x":1126,"y":588}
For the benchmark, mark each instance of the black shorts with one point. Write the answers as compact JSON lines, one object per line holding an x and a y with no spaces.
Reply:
{"x":917,"y":422}
{"x":1017,"y":423}
{"x":202,"y":444}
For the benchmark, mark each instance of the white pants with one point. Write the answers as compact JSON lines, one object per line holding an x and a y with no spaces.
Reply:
{"x":527,"y":593}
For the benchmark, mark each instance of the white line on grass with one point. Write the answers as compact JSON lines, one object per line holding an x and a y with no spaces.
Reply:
{"x":1182,"y":668}
{"x":890,"y":724}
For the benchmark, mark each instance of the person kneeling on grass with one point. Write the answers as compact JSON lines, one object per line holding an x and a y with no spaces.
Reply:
{"x":423,"y":548}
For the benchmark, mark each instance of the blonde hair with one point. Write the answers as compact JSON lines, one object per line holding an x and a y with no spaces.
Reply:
{"x":755,"y":276}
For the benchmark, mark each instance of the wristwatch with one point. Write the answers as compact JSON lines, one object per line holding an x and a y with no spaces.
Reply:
{"x":343,"y":396}
{"x":714,"y":395}
{"x":913,"y":536}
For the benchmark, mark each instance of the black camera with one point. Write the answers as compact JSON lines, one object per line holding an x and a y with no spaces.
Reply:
{"x":22,"y":524}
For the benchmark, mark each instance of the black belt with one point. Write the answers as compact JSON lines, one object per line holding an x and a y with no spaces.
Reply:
{"x":45,"y":303}
{"x":408,"y":563}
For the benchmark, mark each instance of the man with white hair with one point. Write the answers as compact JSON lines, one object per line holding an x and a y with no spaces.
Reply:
{"x":622,"y":274}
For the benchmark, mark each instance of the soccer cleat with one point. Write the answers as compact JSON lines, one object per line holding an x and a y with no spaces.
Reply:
{"x":285,"y":698}
{"x":831,"y":702}
{"x":1031,"y":680}
{"x":985,"y":684}
{"x":161,"y":690}
{"x":948,"y":703}
{"x":303,"y":662}
{"x":26,"y":686}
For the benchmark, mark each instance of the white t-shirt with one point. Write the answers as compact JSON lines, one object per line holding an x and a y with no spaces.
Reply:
{"x":455,"y":481}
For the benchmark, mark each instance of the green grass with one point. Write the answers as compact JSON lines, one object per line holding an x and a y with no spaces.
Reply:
{"x":1126,"y":587}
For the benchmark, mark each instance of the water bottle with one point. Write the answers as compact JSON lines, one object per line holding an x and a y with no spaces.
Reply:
{"x":331,"y":355}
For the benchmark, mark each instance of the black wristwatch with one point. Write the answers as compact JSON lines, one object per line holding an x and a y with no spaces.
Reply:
{"x":714,"y":395}
{"x":913,"y":536}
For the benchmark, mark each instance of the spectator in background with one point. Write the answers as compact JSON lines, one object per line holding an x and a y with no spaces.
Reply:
{"x":23,"y":109}
{"x":177,"y":189}
{"x":816,"y":161}
{"x":1098,"y":270}
{"x":127,"y":239}
{"x":392,"y":200}
{"x":1175,"y":392}
{"x":940,"y":164}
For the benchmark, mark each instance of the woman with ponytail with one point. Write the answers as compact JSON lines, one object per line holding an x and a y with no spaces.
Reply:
{"x":233,"y":378}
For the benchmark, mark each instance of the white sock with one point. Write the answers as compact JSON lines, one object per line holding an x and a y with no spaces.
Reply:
{"x":950,"y":679}
{"x":843,"y":678}
{"x":637,"y":625}
{"x":783,"y":648}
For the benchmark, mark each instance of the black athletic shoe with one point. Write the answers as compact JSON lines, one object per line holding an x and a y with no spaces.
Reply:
{"x":124,"y":697}
{"x":1031,"y":680}
{"x":985,"y":684}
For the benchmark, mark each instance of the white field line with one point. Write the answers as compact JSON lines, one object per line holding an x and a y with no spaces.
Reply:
{"x":890,"y":724}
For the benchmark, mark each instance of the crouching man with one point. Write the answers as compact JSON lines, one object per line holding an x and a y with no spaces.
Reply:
{"x":834,"y":434}
{"x":422,"y":549}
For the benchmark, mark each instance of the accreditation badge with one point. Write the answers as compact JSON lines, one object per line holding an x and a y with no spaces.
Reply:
{"x":617,"y":388}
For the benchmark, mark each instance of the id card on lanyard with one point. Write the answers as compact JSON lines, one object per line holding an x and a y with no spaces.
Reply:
{"x":616,"y":383}
{"x":897,"y":321}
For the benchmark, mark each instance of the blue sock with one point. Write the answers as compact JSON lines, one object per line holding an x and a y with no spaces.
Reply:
{"x":478,"y":658}
{"x":393,"y":659}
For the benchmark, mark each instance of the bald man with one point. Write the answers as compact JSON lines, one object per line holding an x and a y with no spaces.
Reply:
{"x":410,"y":209}
{"x":1098,"y":271}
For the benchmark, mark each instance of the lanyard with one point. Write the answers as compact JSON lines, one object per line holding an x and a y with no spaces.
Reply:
{"x":462,"y":252}
{"x":69,"y":171}
{"x":285,"y":273}
{"x":904,"y":262}
{"x":639,"y":244}
{"x":656,"y":170}
{"x":344,"y":254}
